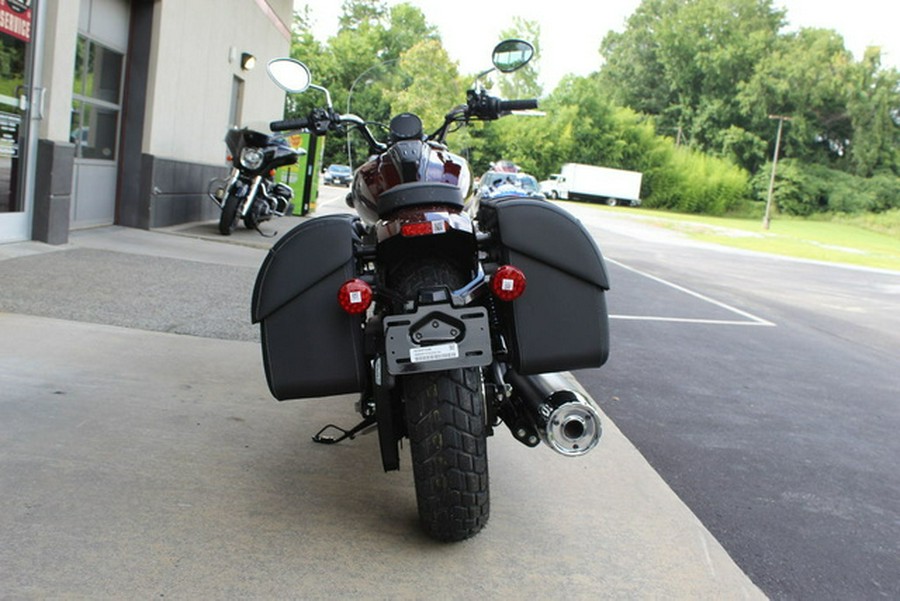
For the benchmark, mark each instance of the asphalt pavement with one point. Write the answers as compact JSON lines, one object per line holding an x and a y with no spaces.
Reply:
{"x":765,"y":391}
{"x":143,"y":456}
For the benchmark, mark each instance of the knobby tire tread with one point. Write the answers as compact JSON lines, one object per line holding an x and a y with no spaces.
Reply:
{"x":445,"y":418}
{"x":445,"y":422}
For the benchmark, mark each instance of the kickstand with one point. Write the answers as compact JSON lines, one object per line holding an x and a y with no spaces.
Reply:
{"x":345,"y":434}
{"x":263,"y":234}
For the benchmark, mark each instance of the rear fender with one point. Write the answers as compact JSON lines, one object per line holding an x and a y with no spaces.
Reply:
{"x":422,"y":221}
{"x":426,"y":231}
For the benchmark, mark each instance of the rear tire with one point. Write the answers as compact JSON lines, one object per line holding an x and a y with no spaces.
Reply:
{"x":446,"y":427}
{"x":447,"y":430}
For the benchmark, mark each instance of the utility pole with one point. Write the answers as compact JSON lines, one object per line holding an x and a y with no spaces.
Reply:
{"x":781,"y":120}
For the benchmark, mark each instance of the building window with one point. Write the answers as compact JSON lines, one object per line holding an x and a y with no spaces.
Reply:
{"x":96,"y":100}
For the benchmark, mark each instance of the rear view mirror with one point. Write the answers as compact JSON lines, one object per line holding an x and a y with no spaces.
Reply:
{"x":510,"y":55}
{"x":289,"y":74}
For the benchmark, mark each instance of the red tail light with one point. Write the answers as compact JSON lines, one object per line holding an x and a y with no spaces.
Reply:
{"x":355,"y":296}
{"x":423,"y":228}
{"x":508,"y":283}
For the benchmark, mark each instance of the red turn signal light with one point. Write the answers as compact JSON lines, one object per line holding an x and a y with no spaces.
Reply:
{"x":508,"y":283}
{"x":355,"y":296}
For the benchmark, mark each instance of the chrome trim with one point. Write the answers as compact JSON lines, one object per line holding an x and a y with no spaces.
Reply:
{"x":251,"y":195}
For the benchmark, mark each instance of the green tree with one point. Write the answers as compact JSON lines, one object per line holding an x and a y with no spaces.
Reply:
{"x":873,"y":106}
{"x":356,"y":14}
{"x":583,"y":125}
{"x":407,"y":26}
{"x":715,"y":70}
{"x":361,"y":64}
{"x":523,"y":83}
{"x":12,"y":60}
{"x":433,"y":83}
{"x":682,"y":60}
{"x":804,"y":77}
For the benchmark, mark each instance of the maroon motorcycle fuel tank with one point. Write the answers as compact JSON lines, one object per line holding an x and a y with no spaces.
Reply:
{"x":406,"y":162}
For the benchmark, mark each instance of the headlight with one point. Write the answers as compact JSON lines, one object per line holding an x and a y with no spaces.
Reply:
{"x":251,"y":158}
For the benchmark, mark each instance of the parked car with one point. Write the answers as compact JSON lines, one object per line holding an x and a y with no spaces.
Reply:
{"x":338,"y":175}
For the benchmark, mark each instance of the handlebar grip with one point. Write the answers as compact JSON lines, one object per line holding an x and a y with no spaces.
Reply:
{"x":518,"y":105}
{"x":289,"y":124}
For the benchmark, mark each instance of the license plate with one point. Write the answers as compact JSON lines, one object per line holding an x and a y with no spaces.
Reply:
{"x":434,"y":353}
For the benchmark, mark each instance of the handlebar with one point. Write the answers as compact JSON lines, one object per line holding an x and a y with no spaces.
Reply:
{"x":518,"y":105}
{"x":482,"y":106}
{"x":479,"y":106}
{"x":289,"y":124}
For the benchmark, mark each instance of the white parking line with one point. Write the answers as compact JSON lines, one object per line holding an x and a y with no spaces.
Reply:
{"x":753,"y":319}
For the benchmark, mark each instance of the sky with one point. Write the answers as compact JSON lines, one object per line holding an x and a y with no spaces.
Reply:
{"x":571,"y":35}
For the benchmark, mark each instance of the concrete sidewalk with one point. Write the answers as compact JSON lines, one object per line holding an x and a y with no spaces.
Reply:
{"x":138,"y":463}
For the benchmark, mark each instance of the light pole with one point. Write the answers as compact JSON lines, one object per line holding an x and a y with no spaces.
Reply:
{"x":350,"y":95}
{"x":781,"y":120}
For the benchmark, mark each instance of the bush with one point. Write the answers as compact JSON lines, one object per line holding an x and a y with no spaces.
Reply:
{"x":691,"y":182}
{"x":883,"y":192}
{"x":794,"y":192}
{"x":804,"y":189}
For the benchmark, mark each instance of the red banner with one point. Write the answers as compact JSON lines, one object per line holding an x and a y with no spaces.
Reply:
{"x":15,"y":18}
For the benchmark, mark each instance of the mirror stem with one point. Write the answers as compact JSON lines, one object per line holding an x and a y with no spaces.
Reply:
{"x":327,"y":94}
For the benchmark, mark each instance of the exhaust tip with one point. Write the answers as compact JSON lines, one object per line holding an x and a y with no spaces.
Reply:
{"x":573,"y":429}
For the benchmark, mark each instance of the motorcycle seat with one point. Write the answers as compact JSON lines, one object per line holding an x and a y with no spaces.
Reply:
{"x":419,"y":193}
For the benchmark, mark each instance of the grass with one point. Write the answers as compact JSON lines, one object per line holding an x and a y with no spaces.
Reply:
{"x":868,"y":241}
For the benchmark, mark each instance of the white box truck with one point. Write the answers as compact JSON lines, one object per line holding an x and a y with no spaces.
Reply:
{"x":600,"y":184}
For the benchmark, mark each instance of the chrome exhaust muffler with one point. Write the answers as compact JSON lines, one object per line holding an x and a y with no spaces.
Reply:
{"x":565,"y":419}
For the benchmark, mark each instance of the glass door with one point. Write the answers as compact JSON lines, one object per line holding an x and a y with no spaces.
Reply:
{"x":96,"y":107}
{"x":15,"y":42}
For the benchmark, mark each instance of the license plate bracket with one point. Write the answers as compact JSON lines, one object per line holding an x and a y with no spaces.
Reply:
{"x":437,"y":338}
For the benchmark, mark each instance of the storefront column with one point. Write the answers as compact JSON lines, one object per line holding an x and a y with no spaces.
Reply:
{"x":53,"y":192}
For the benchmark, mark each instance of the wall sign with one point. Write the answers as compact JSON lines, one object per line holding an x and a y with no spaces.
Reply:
{"x":15,"y":18}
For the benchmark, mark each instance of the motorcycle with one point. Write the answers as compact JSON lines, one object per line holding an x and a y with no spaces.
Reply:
{"x":446,"y":314}
{"x":250,"y":192}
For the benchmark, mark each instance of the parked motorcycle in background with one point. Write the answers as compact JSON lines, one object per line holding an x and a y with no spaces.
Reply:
{"x":448,"y":314}
{"x":250,"y":192}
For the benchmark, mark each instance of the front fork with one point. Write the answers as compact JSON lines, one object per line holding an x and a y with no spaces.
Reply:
{"x":251,"y":195}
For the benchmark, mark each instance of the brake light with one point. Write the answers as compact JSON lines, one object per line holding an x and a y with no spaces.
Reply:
{"x":355,"y":296}
{"x":508,"y":283}
{"x":423,"y":228}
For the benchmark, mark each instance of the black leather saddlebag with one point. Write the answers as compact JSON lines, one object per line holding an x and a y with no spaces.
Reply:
{"x":560,"y":322}
{"x":310,"y":346}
